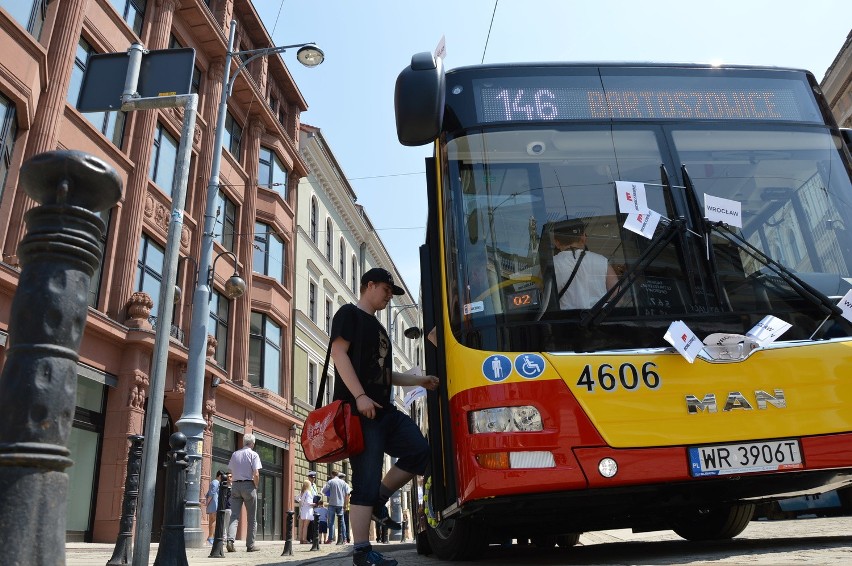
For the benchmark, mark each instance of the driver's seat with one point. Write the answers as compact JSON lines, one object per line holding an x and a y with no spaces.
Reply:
{"x":549,"y":300}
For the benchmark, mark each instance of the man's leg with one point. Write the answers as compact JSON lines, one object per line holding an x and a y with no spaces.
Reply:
{"x":251,"y":511}
{"x":360,"y":517}
{"x":332,"y":511}
{"x":394,"y":479}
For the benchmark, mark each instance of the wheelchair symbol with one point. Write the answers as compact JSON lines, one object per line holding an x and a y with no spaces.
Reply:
{"x":529,"y":365}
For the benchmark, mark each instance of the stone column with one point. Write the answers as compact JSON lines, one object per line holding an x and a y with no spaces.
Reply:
{"x":224,"y":15}
{"x":248,"y":214}
{"x":38,"y":385}
{"x":51,"y":103}
{"x":144,"y":124}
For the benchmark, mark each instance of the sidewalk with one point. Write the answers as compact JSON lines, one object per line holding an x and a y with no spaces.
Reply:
{"x":97,"y":554}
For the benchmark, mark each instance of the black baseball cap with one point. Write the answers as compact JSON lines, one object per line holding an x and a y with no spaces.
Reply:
{"x":570,"y":227}
{"x":379,"y":275}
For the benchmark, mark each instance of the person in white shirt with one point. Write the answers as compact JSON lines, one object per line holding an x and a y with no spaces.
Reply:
{"x":582,"y":276}
{"x":245,"y":466}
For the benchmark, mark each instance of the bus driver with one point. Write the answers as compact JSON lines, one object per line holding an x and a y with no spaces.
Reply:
{"x":582,"y":277}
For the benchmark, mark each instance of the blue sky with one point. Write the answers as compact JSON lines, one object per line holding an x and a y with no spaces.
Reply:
{"x":367,"y":43}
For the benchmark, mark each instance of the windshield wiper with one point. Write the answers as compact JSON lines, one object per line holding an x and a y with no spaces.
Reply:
{"x":605,"y":304}
{"x":803,"y":288}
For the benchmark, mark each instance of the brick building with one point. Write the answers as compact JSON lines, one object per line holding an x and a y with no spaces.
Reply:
{"x":837,"y":84}
{"x":46,"y":45}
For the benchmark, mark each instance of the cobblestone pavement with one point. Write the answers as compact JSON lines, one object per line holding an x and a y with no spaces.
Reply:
{"x":763,"y":543}
{"x":84,"y":554}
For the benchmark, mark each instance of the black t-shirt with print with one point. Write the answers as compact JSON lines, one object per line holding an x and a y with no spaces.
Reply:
{"x":370,"y":352}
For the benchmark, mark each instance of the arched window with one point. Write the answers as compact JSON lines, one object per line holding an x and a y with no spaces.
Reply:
{"x":328,"y":255}
{"x":314,"y":227}
{"x":354,"y":274}
{"x":342,"y":259}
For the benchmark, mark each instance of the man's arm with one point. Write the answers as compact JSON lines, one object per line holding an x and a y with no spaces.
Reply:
{"x":407,"y":379}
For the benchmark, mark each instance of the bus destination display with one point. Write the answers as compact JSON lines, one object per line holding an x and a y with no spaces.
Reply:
{"x":532,"y":99}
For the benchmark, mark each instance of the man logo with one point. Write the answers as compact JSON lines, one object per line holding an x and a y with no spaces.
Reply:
{"x":735,"y":401}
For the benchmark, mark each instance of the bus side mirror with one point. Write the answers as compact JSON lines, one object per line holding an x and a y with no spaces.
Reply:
{"x":419,"y":100}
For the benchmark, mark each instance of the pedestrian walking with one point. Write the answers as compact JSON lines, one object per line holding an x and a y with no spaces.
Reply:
{"x":306,"y":511}
{"x":211,"y":502}
{"x":338,"y":493}
{"x":245,"y":465}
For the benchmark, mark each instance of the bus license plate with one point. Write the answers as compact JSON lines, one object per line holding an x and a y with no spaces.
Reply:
{"x":724,"y":459}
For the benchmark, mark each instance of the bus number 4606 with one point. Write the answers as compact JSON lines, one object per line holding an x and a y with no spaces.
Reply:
{"x":629,"y":377}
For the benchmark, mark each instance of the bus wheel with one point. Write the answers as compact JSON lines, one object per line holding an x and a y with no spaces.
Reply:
{"x":423,"y":546}
{"x":716,"y":524}
{"x":567,"y":541}
{"x":545,"y":541}
{"x":458,"y":539}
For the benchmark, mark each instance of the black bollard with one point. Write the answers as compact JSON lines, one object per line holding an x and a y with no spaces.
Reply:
{"x":221,"y":533}
{"x":58,"y":257}
{"x":315,"y":531}
{"x":123,"y":550}
{"x":341,"y":536}
{"x":288,"y":534}
{"x":172,"y":550}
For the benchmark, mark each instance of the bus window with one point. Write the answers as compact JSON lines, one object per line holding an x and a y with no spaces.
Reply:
{"x":788,"y":186}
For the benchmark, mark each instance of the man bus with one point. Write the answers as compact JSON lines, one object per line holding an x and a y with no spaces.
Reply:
{"x":712,"y":376}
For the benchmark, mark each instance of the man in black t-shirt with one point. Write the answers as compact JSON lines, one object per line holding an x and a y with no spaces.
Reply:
{"x":363,"y":367}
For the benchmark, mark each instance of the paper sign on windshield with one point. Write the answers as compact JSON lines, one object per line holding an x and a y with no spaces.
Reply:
{"x":631,"y":197}
{"x":719,"y":209}
{"x":684,"y":340}
{"x":845,"y":305}
{"x":643,"y":223}
{"x":768,"y":330}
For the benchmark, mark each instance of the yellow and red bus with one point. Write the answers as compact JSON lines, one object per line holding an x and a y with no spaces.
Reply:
{"x":556,"y":419}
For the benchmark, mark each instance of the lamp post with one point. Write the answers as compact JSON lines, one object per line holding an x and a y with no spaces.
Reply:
{"x":396,"y":506}
{"x":192,"y":422}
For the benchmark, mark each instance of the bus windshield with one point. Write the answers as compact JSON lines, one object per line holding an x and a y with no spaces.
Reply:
{"x":521,"y":197}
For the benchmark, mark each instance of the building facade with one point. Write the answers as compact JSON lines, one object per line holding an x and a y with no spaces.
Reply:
{"x":46,"y":46}
{"x":837,"y":84}
{"x":335,"y":244}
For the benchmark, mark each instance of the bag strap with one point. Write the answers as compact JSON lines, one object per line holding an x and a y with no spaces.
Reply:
{"x":321,"y":392}
{"x":573,"y":274}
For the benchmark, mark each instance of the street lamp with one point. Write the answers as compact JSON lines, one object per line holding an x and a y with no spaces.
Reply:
{"x":396,"y":500}
{"x":235,"y":286}
{"x":408,"y":332}
{"x":192,"y":422}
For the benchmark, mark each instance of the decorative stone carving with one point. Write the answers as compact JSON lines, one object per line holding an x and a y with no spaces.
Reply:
{"x":256,"y":127}
{"x":138,"y":310}
{"x":209,"y":411}
{"x":185,"y":236}
{"x":180,"y":384}
{"x":148,"y":207}
{"x":212,"y":343}
{"x":138,"y":391}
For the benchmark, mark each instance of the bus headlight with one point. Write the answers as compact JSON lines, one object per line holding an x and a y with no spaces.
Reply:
{"x":525,"y":418}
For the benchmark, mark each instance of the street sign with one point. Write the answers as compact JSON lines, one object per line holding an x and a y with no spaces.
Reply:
{"x":164,"y":72}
